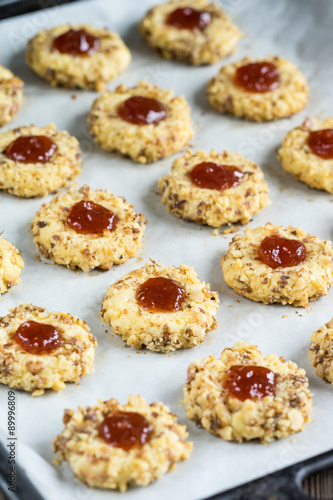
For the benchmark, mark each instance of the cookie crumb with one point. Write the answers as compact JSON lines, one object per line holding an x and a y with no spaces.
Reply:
{"x":231,"y":229}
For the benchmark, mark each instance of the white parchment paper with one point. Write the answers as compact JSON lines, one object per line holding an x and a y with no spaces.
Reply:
{"x":300,"y":30}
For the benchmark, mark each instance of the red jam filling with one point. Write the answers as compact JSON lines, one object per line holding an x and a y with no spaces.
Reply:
{"x":250,"y":382}
{"x":37,"y":338}
{"x":258,"y":77}
{"x":31,"y":149}
{"x":140,"y":110}
{"x":160,"y":295}
{"x":275,"y":251}
{"x":187,"y":18}
{"x":126,"y":430}
{"x":209,"y":175}
{"x":321,"y":143}
{"x":77,"y":43}
{"x":87,"y":217}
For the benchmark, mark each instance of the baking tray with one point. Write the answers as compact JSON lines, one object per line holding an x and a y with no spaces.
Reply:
{"x":270,"y":27}
{"x":10,"y":8}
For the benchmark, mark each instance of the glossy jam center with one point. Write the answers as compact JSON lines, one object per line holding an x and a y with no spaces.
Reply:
{"x":209,"y":175}
{"x":125,"y":430}
{"x":250,"y":382}
{"x":160,"y":295}
{"x":275,"y":251}
{"x":37,"y":338}
{"x":321,"y":143}
{"x":141,"y":110}
{"x":87,"y":217}
{"x":77,"y":43}
{"x":31,"y":149}
{"x":258,"y":77}
{"x":187,"y":18}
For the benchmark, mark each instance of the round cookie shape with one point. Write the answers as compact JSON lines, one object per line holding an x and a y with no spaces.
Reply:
{"x":101,"y":465}
{"x":26,"y":179}
{"x":34,"y":373}
{"x":91,"y":70}
{"x":11,"y":95}
{"x":286,"y":99}
{"x":295,"y":285}
{"x":214,"y":207}
{"x":157,"y":330}
{"x":301,"y":162}
{"x":321,"y":351}
{"x":11,"y":265}
{"x":264,"y":416}
{"x":56,"y":240}
{"x":211,"y":39}
{"x":143,"y":143}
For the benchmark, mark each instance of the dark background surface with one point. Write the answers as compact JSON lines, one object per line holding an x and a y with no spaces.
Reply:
{"x":9,"y":8}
